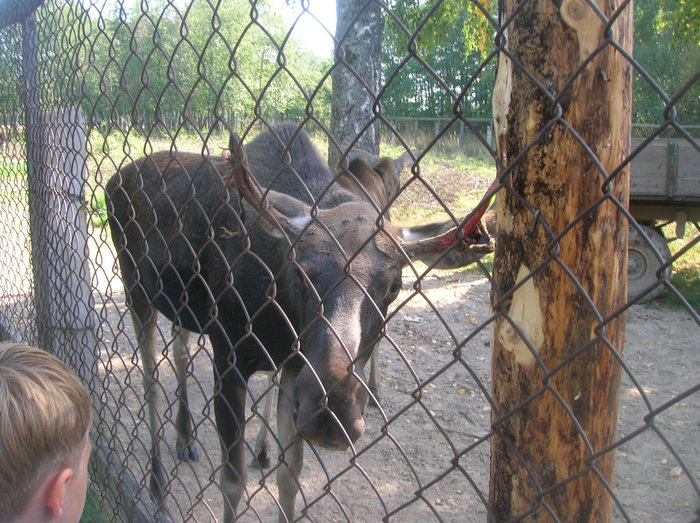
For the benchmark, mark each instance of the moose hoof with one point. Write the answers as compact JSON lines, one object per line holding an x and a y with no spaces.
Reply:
{"x":187,"y":452}
{"x":262,"y":459}
{"x":375,"y":399}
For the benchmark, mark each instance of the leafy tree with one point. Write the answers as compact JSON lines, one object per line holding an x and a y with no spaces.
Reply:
{"x":451,"y":40}
{"x":670,"y":57}
{"x":11,"y":73}
{"x":199,"y":63}
{"x":682,"y":17}
{"x":435,"y":55}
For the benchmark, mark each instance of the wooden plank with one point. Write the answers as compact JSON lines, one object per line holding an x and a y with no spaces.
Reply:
{"x":688,"y":171}
{"x":649,"y":170}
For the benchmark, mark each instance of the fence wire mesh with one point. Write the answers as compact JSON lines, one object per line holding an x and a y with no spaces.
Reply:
{"x":91,"y":86}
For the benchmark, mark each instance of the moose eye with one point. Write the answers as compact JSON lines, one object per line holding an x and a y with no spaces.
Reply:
{"x":393,"y":291}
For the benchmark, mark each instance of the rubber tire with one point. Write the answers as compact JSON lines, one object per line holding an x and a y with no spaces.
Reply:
{"x":643,"y":263}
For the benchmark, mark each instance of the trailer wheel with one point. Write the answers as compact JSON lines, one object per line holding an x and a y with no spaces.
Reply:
{"x":643,"y":263}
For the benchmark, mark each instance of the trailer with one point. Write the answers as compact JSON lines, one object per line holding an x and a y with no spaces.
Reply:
{"x":664,"y":188}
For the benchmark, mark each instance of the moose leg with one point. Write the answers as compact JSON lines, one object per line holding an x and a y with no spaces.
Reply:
{"x":186,"y":449}
{"x":145,"y":321}
{"x":373,"y":382}
{"x":262,"y":441}
{"x":292,"y":454}
{"x":229,"y":408}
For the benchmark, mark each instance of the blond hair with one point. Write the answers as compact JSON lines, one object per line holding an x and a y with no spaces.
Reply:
{"x":45,"y":416}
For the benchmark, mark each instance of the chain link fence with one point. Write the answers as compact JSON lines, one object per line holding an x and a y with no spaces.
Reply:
{"x":90,"y":87}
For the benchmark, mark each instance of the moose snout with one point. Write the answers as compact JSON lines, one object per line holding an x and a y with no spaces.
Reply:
{"x":330,"y":414}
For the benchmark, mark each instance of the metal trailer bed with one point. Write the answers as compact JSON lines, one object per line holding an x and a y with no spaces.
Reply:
{"x":664,"y":188}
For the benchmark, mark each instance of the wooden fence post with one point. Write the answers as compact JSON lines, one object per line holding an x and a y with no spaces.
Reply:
{"x":560,"y":263}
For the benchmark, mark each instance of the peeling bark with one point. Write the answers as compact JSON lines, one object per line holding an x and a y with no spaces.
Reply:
{"x":555,"y":381}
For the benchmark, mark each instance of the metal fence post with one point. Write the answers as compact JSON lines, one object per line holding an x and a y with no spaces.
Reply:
{"x":30,"y":67}
{"x":58,"y":217}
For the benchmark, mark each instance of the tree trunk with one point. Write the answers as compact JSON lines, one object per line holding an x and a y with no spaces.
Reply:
{"x":356,"y":78}
{"x":560,"y":267}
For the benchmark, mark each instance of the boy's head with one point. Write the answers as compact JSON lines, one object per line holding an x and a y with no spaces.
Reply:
{"x":45,"y":417}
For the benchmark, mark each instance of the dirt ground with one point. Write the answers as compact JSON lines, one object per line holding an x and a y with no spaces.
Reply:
{"x":423,"y":456}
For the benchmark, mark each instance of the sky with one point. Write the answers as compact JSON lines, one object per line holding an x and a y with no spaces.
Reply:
{"x":308,"y":29}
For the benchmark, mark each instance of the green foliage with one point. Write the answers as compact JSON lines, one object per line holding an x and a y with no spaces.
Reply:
{"x":686,"y":269}
{"x":682,"y":18}
{"x":164,"y":66}
{"x":93,"y":512}
{"x":449,"y":39}
{"x":10,"y":72}
{"x":144,"y":63}
{"x":15,"y":169}
{"x":98,"y":209}
{"x":479,"y":26}
{"x":687,"y":281}
{"x":670,"y":56}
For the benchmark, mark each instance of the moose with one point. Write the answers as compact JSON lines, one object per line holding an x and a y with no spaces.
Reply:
{"x":283,"y":269}
{"x":376,"y":180}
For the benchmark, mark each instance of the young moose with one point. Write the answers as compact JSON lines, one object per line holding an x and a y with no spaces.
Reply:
{"x":277,"y":283}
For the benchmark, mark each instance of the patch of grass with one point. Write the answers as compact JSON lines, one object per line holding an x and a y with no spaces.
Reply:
{"x":458,"y":181}
{"x":686,"y":269}
{"x":409,"y":216}
{"x":687,"y":281}
{"x":485,"y":263}
{"x":13,"y":179}
{"x":98,"y":208}
{"x":14,"y":170}
{"x":109,"y":152}
{"x":93,"y":512}
{"x":467,"y":202}
{"x":475,"y":166}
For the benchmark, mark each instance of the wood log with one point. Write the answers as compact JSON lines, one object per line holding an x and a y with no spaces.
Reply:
{"x":562,"y":119}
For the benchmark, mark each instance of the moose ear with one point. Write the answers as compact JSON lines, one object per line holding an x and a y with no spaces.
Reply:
{"x":241,"y":179}
{"x":237,"y":157}
{"x":239,"y":175}
{"x":406,"y":160}
{"x":389,"y":173}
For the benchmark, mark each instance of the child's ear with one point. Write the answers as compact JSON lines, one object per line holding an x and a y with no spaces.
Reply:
{"x":56,"y":491}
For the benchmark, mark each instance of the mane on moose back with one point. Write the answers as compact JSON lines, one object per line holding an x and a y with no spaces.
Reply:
{"x":285,"y":160}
